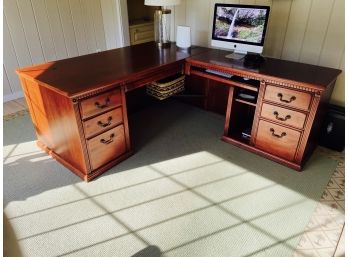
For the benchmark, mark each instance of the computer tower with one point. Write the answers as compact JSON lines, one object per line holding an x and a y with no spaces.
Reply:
{"x":332,"y":132}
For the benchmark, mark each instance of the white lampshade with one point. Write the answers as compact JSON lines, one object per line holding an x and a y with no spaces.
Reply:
{"x":162,"y":2}
{"x":183,"y":37}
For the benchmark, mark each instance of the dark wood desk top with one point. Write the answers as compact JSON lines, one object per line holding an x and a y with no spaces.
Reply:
{"x":73,"y":76}
{"x":314,"y":76}
{"x":89,"y":72}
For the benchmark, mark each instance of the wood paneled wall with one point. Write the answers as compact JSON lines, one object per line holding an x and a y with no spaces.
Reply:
{"x":37,"y":31}
{"x":308,"y":31}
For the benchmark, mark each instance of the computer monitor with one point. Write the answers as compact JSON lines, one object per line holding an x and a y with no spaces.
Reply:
{"x":241,"y":28}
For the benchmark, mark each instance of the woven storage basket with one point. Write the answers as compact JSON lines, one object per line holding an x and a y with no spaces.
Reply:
{"x":167,"y":87}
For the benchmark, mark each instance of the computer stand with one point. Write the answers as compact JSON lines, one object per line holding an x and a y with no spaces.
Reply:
{"x":250,"y":59}
{"x":236,"y":56}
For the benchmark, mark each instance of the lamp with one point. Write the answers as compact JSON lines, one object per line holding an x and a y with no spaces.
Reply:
{"x":162,"y":20}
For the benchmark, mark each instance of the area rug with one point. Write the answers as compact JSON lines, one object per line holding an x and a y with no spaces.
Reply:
{"x":183,"y":193}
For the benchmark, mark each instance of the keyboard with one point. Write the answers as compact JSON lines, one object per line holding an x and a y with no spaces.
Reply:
{"x":219,"y":73}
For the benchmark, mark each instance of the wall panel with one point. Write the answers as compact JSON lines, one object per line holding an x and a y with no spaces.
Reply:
{"x":231,"y":2}
{"x":68,"y":28}
{"x":6,"y":83}
{"x":263,"y":2}
{"x":318,"y":21}
{"x":16,"y":32}
{"x":247,"y":1}
{"x":89,"y":26}
{"x":98,"y":24}
{"x":10,"y":59}
{"x":197,"y":18}
{"x":180,"y":14}
{"x":79,"y":25}
{"x":44,"y":29}
{"x":211,"y":18}
{"x":339,"y":90}
{"x":124,"y":22}
{"x":31,"y":31}
{"x":333,"y":47}
{"x":109,"y":17}
{"x":277,"y":25}
{"x":296,"y":29}
{"x":57,"y":29}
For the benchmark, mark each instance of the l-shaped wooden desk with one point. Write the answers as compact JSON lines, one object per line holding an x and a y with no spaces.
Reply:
{"x":79,"y":110}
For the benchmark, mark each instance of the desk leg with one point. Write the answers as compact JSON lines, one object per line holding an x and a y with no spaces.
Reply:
{"x":257,"y":114}
{"x":228,"y":111}
{"x":206,"y":94}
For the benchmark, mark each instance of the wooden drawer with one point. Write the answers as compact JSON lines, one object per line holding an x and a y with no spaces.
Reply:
{"x":100,"y":103}
{"x":141,"y":36}
{"x":107,"y":146}
{"x":103,"y":122}
{"x":141,"y":33}
{"x":283,"y":115}
{"x":277,"y":140}
{"x":288,"y":97}
{"x":141,"y":27}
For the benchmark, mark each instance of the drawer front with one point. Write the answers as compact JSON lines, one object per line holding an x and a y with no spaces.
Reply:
{"x":288,"y":97}
{"x":283,"y":115}
{"x":148,"y":35}
{"x":103,"y":122}
{"x":100,"y":103}
{"x":277,"y":140}
{"x":142,"y":28}
{"x":107,"y":146}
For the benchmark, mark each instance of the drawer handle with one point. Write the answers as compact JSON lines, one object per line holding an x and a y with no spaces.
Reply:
{"x":280,"y":95}
{"x":103,"y":125}
{"x":276,"y":114}
{"x":276,"y":135}
{"x":102,"y":106}
{"x":106,"y":142}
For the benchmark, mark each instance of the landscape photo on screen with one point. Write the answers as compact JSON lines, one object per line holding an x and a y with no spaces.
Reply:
{"x":243,"y":24}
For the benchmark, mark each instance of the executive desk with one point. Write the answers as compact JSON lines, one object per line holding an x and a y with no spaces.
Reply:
{"x":79,"y":110}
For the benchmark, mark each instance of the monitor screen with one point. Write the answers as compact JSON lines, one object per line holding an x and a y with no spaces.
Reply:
{"x":240,"y":23}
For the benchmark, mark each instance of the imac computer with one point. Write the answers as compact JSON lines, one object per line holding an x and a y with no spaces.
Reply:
{"x":241,"y":28}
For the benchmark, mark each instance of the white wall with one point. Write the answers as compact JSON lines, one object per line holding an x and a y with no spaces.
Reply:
{"x":37,"y":31}
{"x":308,"y":31}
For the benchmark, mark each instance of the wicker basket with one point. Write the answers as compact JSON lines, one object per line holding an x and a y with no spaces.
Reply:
{"x":167,"y":87}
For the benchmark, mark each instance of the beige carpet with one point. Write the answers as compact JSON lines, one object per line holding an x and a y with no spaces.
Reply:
{"x":183,"y":193}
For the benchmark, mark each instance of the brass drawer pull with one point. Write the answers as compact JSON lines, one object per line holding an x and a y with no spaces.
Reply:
{"x":110,"y":140}
{"x":102,"y":106}
{"x":280,"y":95}
{"x":103,"y":125}
{"x":276,"y":135}
{"x":276,"y":114}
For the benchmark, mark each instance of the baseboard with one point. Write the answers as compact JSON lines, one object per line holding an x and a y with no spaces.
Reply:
{"x":12,"y":96}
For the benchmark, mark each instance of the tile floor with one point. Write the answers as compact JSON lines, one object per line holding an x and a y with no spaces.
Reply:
{"x":14,"y":106}
{"x":324,"y":235}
